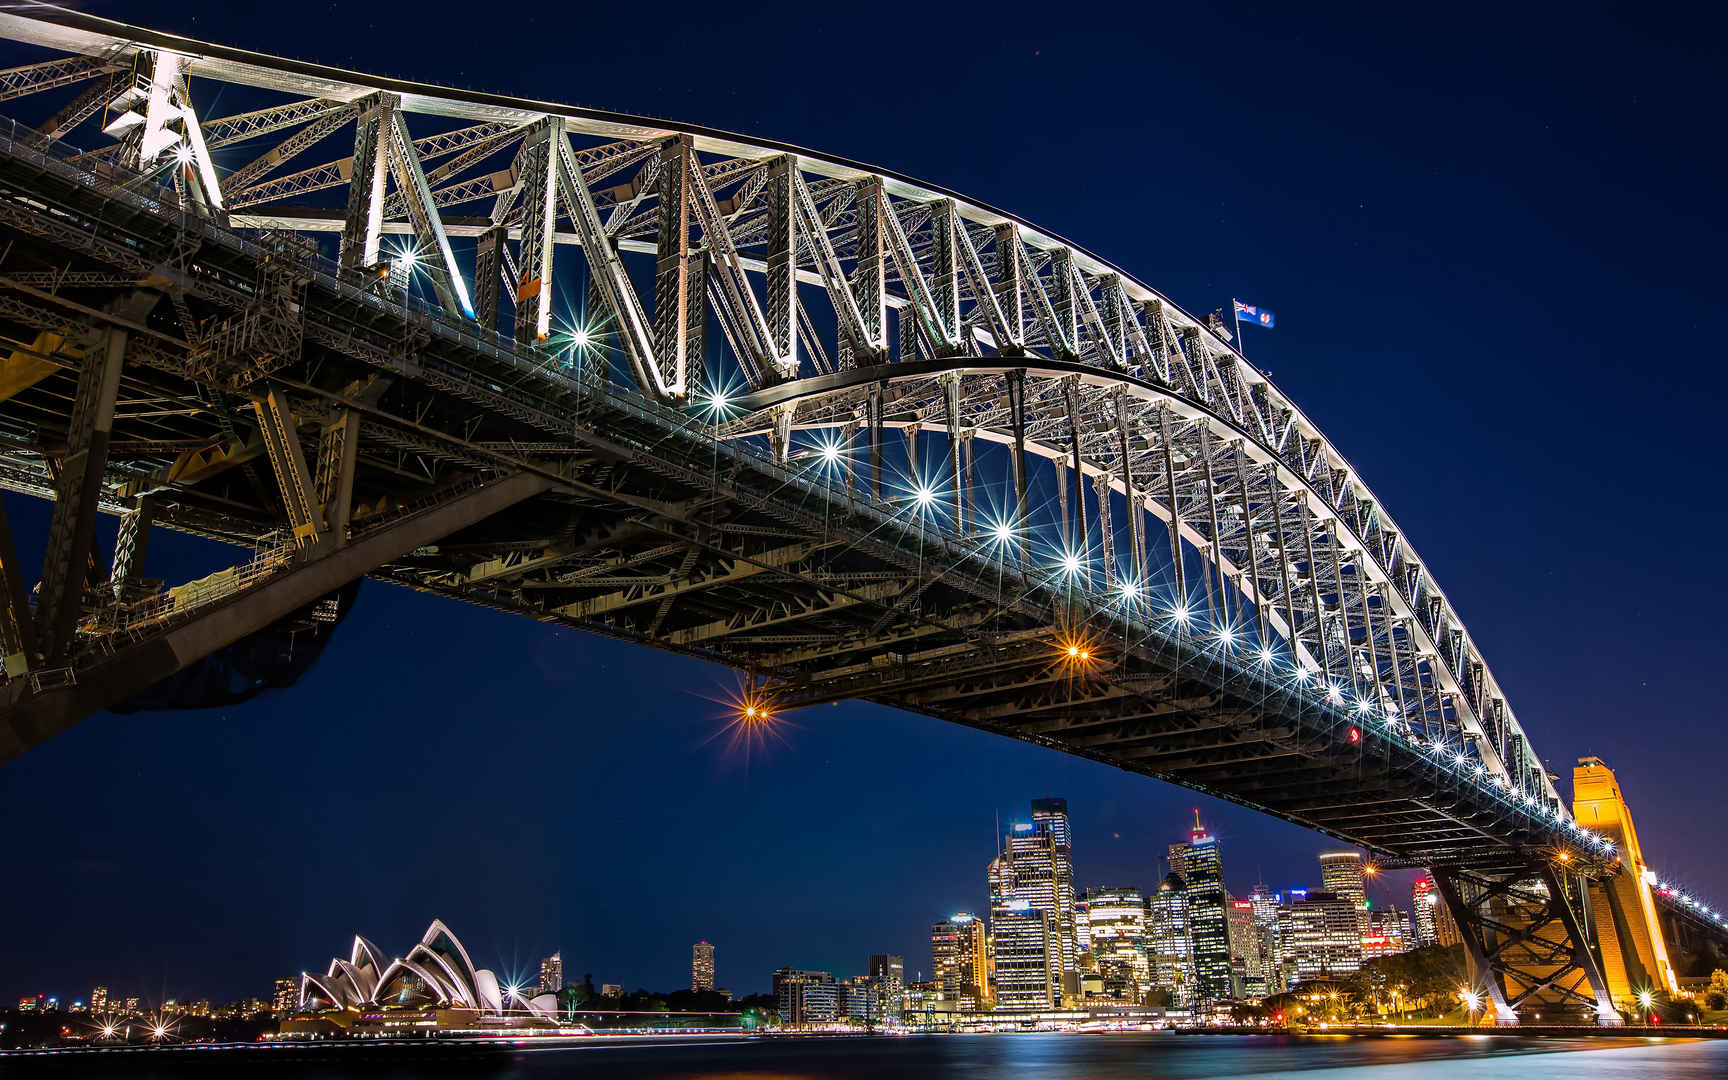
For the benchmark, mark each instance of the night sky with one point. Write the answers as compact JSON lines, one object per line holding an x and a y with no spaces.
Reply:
{"x":1493,"y":242}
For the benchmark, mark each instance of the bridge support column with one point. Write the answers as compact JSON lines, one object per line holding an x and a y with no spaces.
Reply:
{"x":1527,"y":943}
{"x":1634,"y":951}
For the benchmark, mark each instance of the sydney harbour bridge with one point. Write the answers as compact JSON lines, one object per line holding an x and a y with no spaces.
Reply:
{"x":852,"y":435}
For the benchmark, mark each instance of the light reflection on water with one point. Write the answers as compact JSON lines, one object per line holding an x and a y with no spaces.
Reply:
{"x":1078,"y":1057}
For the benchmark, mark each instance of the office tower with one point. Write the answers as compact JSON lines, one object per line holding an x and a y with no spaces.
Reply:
{"x":552,"y":973}
{"x":1043,"y":874}
{"x":806,"y":997}
{"x":1119,"y":935}
{"x":1082,"y":927}
{"x":1170,"y":958}
{"x":701,"y":966}
{"x":889,"y":974}
{"x":1028,"y":972}
{"x":1208,"y":928}
{"x":1051,"y":815}
{"x":99,"y":999}
{"x":286,"y":998}
{"x":132,"y":1005}
{"x":1026,"y":917}
{"x":1320,"y":936}
{"x":1341,"y":873}
{"x":1248,"y":944}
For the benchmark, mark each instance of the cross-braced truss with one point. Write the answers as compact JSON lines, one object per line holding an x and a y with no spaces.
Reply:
{"x":856,"y":435}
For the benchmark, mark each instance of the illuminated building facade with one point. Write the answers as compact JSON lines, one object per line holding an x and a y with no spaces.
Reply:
{"x":1172,"y":963}
{"x":806,"y":997}
{"x":1388,"y":934}
{"x":1320,"y":936}
{"x":1433,"y":921}
{"x":1247,"y":951}
{"x":1208,"y":929}
{"x":1342,"y":874}
{"x":889,"y":973}
{"x":1028,"y":972}
{"x":960,"y":960}
{"x":1119,"y":938}
{"x":1051,"y":815}
{"x":286,"y":998}
{"x":552,"y":973}
{"x":1031,"y":908}
{"x":701,"y":966}
{"x":99,"y":997}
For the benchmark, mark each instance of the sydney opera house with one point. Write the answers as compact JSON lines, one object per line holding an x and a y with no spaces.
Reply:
{"x":435,"y":985}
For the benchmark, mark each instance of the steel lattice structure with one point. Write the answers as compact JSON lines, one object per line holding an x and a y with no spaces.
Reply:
{"x":854,"y":435}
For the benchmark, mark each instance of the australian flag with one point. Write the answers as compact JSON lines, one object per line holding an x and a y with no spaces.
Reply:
{"x":1259,"y":316}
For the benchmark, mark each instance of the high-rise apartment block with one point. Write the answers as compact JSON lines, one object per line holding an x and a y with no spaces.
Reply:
{"x":701,"y":966}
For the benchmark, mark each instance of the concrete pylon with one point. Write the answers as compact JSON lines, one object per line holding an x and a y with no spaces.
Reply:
{"x":1634,"y":954}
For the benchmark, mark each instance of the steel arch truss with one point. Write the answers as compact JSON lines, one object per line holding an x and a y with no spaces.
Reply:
{"x":860,"y":436}
{"x":1527,"y":935}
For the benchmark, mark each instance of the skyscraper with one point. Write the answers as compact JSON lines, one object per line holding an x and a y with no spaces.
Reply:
{"x":1117,"y":917}
{"x":552,"y":973}
{"x":1032,"y":907}
{"x":702,"y":966}
{"x":1208,"y":928}
{"x":960,"y":960}
{"x":1051,"y":814}
{"x":99,"y":996}
{"x":1172,"y":962}
{"x":1341,"y":873}
{"x":284,"y":1002}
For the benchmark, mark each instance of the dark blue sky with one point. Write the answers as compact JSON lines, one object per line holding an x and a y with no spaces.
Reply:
{"x":1493,"y":242}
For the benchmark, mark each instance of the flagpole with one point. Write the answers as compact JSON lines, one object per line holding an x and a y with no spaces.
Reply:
{"x":1236,"y":317}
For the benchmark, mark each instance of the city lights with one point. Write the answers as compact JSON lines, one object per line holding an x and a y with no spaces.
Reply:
{"x":924,"y":496}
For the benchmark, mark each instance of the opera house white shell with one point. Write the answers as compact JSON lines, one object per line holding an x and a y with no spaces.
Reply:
{"x":436,"y":973}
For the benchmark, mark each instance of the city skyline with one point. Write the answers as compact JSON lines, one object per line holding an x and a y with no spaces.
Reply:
{"x":171,"y":854}
{"x":913,"y":944}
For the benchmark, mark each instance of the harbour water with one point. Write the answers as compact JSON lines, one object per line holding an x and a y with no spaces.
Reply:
{"x":1041,"y":1056}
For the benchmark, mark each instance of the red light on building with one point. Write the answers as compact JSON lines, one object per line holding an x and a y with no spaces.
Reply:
{"x":1355,"y":735}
